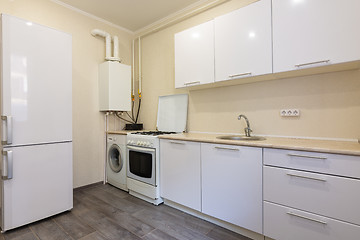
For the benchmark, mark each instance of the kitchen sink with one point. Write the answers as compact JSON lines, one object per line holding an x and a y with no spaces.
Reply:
{"x":242,"y":138}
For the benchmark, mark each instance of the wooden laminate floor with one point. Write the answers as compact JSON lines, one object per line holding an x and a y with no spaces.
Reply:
{"x":102,"y":212}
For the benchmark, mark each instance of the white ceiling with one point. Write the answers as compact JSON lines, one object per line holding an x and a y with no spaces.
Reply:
{"x":131,"y":14}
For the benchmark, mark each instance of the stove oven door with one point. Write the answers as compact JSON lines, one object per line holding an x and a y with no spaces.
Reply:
{"x":141,"y":164}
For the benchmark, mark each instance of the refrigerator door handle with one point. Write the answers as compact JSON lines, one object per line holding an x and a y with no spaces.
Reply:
{"x":7,"y":134}
{"x":7,"y":165}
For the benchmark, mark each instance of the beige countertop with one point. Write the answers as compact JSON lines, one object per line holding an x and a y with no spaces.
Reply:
{"x":325,"y":146}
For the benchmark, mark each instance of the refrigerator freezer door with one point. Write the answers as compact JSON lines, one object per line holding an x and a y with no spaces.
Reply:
{"x":36,"y":85}
{"x":41,"y":185}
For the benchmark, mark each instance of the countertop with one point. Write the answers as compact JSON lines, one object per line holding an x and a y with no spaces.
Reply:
{"x":325,"y":146}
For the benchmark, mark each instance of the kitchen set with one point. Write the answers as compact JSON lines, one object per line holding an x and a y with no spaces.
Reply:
{"x":165,"y":144}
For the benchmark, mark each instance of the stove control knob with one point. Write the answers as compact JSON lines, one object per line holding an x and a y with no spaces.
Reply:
{"x":138,"y":143}
{"x":143,"y":144}
{"x":147,"y":144}
{"x":128,"y":141}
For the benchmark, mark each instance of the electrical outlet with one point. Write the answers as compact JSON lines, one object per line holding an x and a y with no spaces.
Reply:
{"x":289,"y":112}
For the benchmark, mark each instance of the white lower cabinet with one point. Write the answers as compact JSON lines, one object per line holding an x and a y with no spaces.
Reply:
{"x":232,"y":184}
{"x":334,"y":164}
{"x":296,"y":195}
{"x":331,"y":196}
{"x":284,"y":223}
{"x":304,"y":199}
{"x":180,"y":172}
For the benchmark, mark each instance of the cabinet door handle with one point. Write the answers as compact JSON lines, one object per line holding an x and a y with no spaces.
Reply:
{"x":240,"y":75}
{"x":7,"y":130}
{"x":231,"y":149}
{"x":191,"y":83}
{"x":306,"y":177}
{"x":173,"y":142}
{"x":306,"y":156}
{"x":307,"y":218}
{"x":311,"y":63}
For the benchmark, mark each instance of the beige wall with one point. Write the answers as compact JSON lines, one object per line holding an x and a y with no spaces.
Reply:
{"x":88,"y":52}
{"x":329,"y":103}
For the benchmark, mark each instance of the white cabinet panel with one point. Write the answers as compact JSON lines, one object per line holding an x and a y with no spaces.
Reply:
{"x":36,"y":81}
{"x":180,"y":172}
{"x":337,"y":164}
{"x":243,"y":42}
{"x":41,"y":185}
{"x":319,"y":32}
{"x":331,"y":196}
{"x":194,"y":55}
{"x":283,"y":223}
{"x":232,"y":184}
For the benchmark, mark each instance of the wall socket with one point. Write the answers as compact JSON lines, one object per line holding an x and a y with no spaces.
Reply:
{"x":290,"y":112}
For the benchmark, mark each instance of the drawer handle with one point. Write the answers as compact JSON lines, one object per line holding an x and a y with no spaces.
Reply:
{"x":173,"y":142}
{"x":307,"y":218}
{"x":312,"y":63}
{"x":306,"y":177}
{"x":240,"y":75}
{"x":191,"y":83}
{"x":306,"y":156}
{"x":231,"y":149}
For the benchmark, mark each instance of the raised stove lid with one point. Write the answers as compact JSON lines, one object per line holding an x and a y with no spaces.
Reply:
{"x":172,"y":113}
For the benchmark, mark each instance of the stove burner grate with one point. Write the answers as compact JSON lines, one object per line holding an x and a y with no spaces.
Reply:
{"x":153,"y":133}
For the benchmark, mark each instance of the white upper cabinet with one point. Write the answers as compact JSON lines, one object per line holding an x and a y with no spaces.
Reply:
{"x":308,"y":33}
{"x":243,"y":42}
{"x":194,"y":55}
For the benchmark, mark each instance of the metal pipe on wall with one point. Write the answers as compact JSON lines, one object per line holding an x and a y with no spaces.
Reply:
{"x":133,"y":70}
{"x":106,"y":129}
{"x":140,"y":76}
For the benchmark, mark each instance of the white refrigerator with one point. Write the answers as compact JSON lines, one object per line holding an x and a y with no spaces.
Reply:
{"x":36,"y":122}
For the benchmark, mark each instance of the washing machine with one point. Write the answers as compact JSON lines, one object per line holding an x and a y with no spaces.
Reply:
{"x":116,"y":161}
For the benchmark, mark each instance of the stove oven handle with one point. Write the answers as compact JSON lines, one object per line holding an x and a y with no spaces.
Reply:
{"x":140,"y":149}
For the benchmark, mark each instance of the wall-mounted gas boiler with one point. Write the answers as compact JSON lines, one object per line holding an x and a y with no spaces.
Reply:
{"x":114,"y":78}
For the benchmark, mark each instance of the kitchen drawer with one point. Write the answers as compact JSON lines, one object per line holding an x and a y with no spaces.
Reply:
{"x":330,"y":196}
{"x":336,"y":164}
{"x":283,"y":223}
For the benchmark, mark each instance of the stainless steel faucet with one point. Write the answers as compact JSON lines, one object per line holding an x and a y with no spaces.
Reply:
{"x":247,"y":129}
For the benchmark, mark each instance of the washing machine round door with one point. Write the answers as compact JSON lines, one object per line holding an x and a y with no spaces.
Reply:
{"x":114,"y":158}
